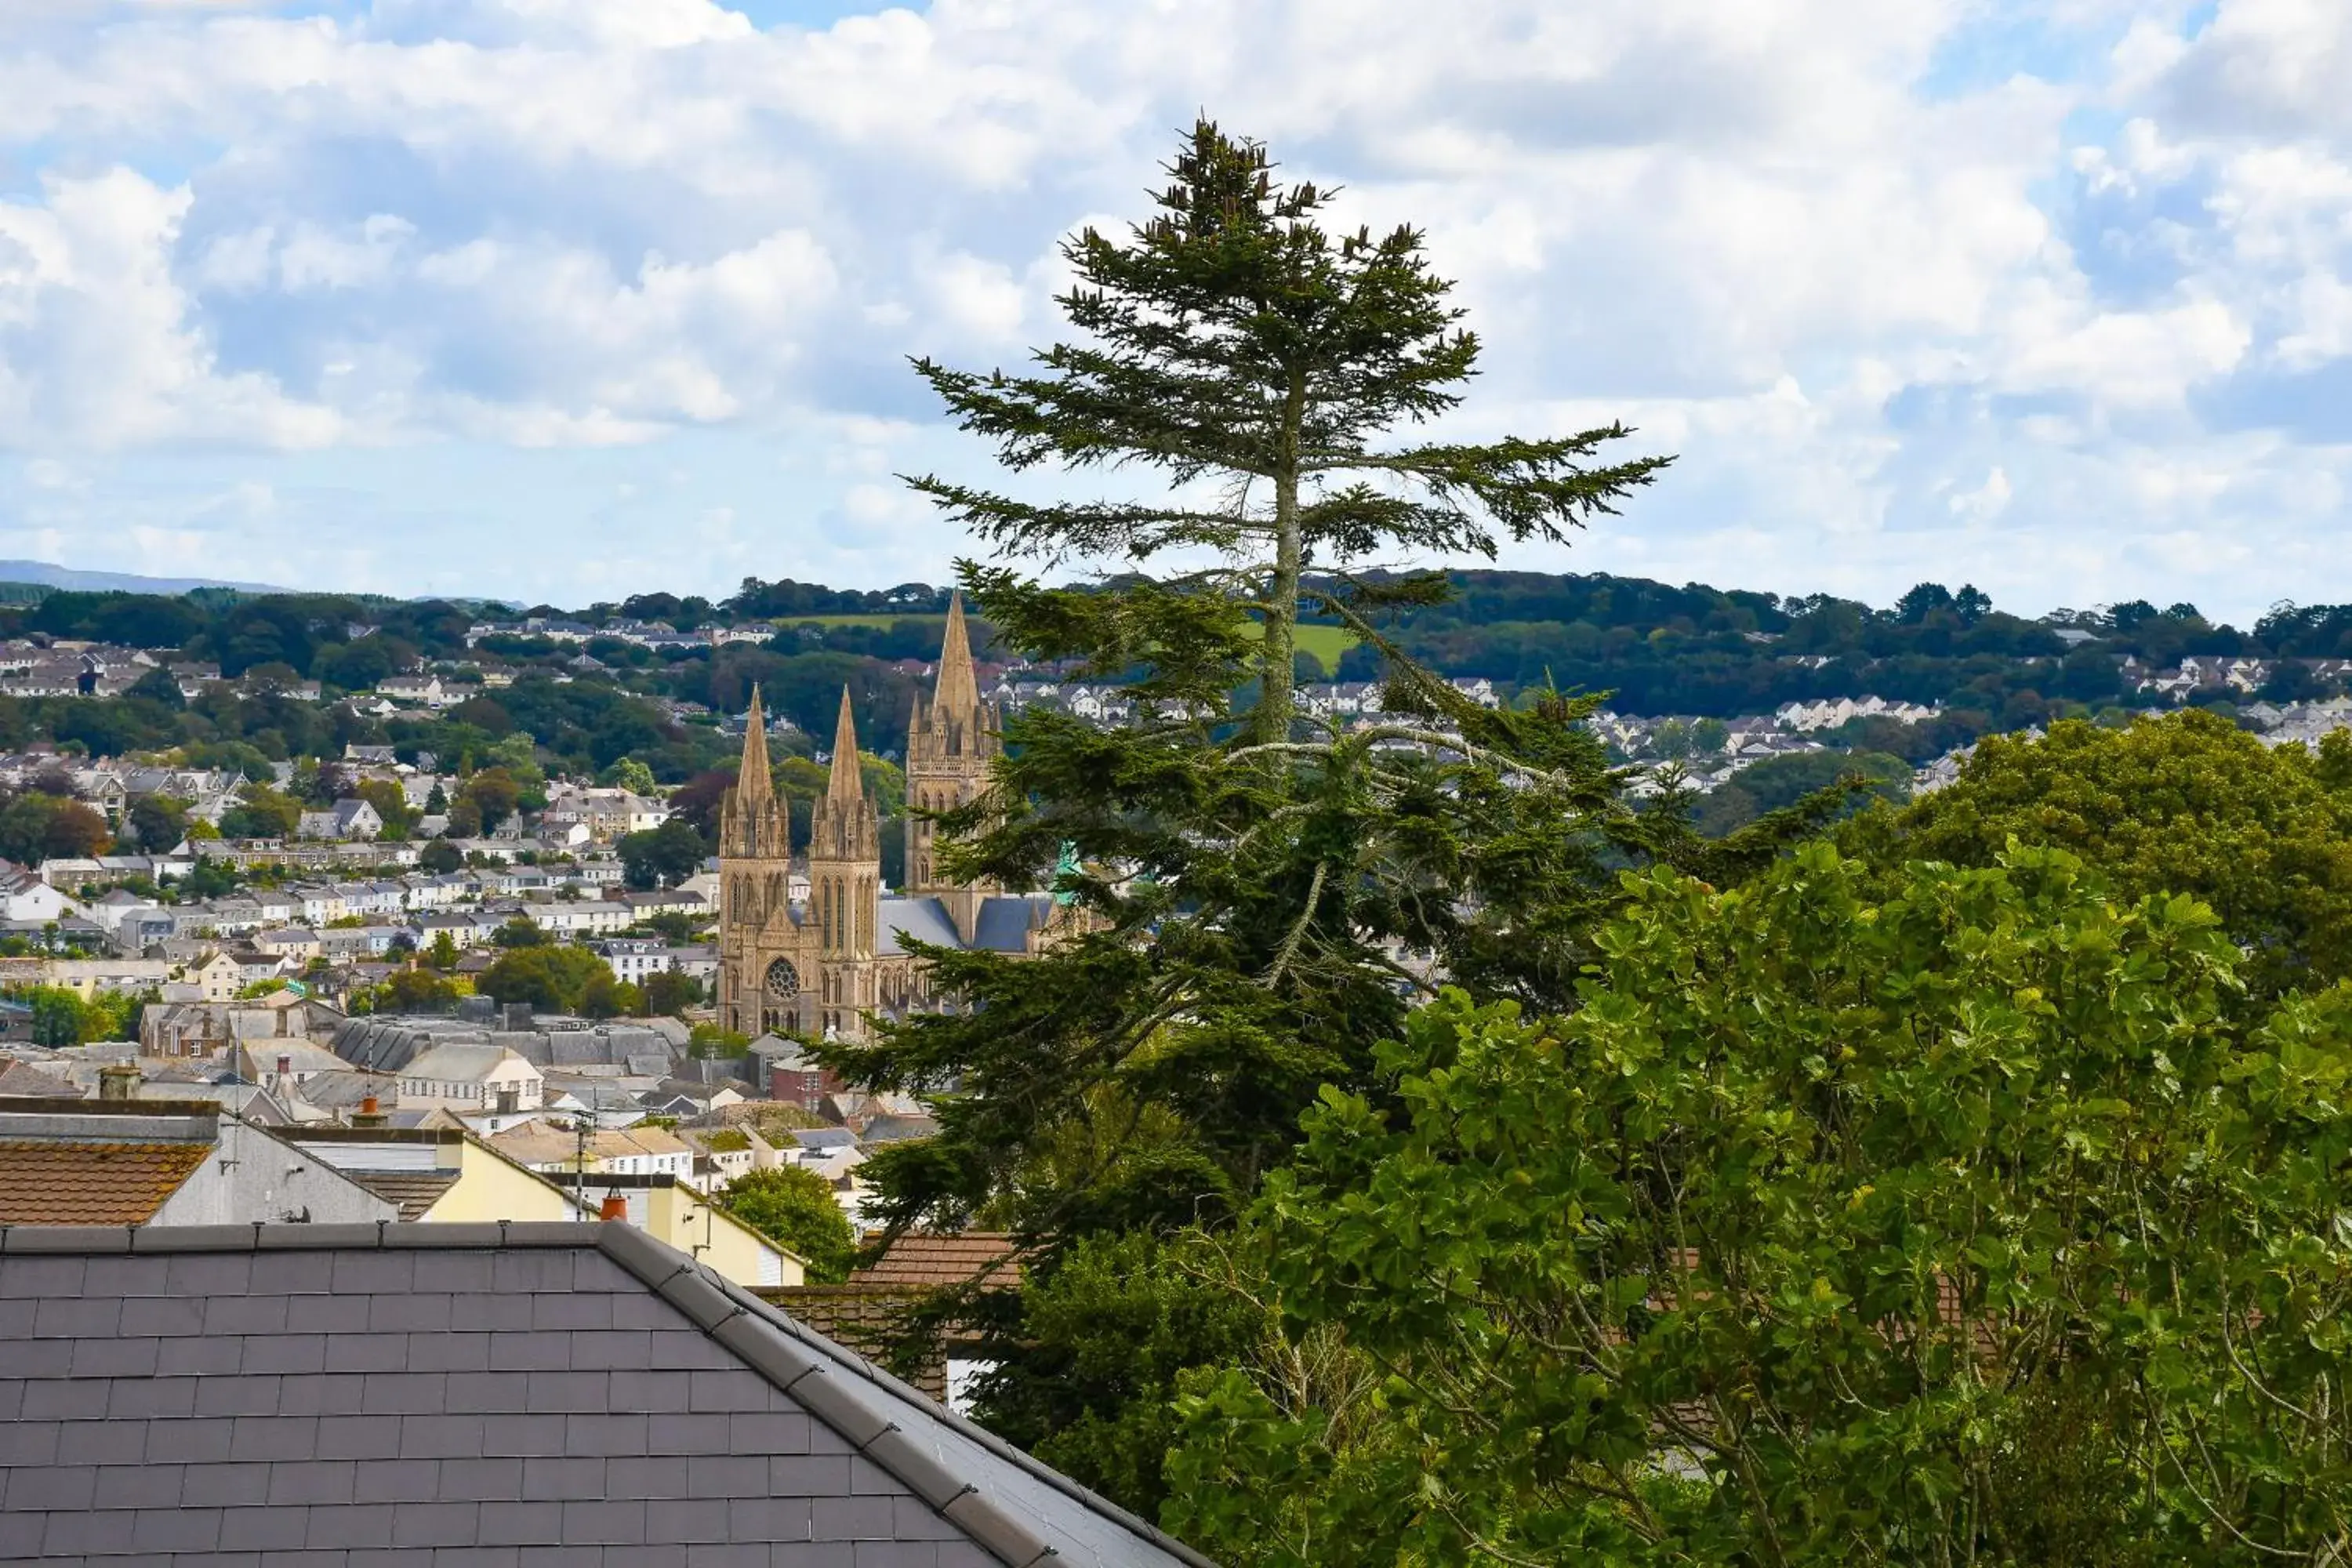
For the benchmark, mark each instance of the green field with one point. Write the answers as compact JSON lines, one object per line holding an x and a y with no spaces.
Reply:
{"x":1326,"y":643}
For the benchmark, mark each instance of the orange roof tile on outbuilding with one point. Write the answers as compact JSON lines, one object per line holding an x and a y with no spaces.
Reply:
{"x":919,"y":1259}
{"x":48,"y":1181}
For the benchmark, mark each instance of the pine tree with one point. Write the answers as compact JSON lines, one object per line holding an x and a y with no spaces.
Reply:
{"x":1259,"y":362}
{"x":1257,"y":897}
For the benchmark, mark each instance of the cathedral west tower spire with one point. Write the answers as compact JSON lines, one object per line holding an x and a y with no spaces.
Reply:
{"x":950,"y":742}
{"x":755,"y":880}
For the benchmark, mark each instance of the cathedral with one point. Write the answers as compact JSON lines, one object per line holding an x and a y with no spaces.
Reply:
{"x":826,"y":964}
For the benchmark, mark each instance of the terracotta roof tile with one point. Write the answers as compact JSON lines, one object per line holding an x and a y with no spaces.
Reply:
{"x":914,"y":1258}
{"x":43,"y":1182}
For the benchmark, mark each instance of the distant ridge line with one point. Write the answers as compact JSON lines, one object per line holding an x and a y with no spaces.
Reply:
{"x":48,"y":575}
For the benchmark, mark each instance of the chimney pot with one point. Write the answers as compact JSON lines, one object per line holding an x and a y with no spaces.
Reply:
{"x":118,"y":1080}
{"x":615,"y":1206}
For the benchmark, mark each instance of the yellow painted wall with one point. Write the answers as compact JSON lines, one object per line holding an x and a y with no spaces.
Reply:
{"x":682,"y":1218}
{"x":491,"y":1187}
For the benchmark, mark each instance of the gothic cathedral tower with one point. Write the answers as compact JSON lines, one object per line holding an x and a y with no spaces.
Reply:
{"x":948,"y":744}
{"x":755,"y":850}
{"x":845,"y":886}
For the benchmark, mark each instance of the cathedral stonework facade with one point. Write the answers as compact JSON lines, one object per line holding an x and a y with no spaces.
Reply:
{"x":829,"y":963}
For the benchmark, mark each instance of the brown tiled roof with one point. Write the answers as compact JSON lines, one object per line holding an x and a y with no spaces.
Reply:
{"x":43,"y":1182}
{"x":413,"y":1191}
{"x":983,"y":1257}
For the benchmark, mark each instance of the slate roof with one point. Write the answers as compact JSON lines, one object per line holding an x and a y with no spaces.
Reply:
{"x":19,"y":1081}
{"x":48,"y":1181}
{"x":203,"y":1395}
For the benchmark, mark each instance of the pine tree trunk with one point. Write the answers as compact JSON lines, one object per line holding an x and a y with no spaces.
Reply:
{"x":1279,"y":653}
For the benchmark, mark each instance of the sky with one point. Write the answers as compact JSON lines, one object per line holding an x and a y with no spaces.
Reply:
{"x":567,"y":300}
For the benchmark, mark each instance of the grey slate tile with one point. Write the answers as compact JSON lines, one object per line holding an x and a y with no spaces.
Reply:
{"x":25,"y":1441}
{"x":769,"y":1518}
{"x":850,"y":1518}
{"x":56,"y":1488}
{"x":571,"y":1311}
{"x":55,"y":1399}
{"x":199,"y":1441}
{"x":321,"y":1393}
{"x":225,"y":1486}
{"x":570,"y":1393}
{"x":659,"y":1476}
{"x":436,"y":1524}
{"x":285,"y":1352}
{"x":482,"y":1480}
{"x":965,"y":1555}
{"x":529,"y":1351}
{"x":88,"y":1534}
{"x":749,"y":1554}
{"x":398,"y":1481}
{"x":808,"y":1475}
{"x":534,"y":1523}
{"x":655,"y":1392}
{"x":199,"y":1356}
{"x":356,"y":1436}
{"x":447,"y":1351}
{"x":293,"y":1273}
{"x":522,"y":1434}
{"x":688,"y":1349}
{"x":102,"y":1442}
{"x":115,"y":1358}
{"x":687,"y":1435}
{"x":263,"y":1528}
{"x":150,"y":1398}
{"x":897,"y":1554}
{"x":531,"y":1271}
{"x":454,"y":1273}
{"x":176,"y":1530}
{"x":73,"y":1317}
{"x":371,"y":1273}
{"x":404,"y":1393}
{"x":912,"y":1518}
{"x":247,"y":1396}
{"x":440,"y":1437}
{"x":20,"y":1535}
{"x":324,"y":1314}
{"x":490,"y":1393}
{"x":769,"y":1432}
{"x":241,"y":1314}
{"x":274,"y":1437}
{"x":691,"y":1521}
{"x":725,"y":1475}
{"x":126,"y":1277}
{"x":569,"y":1479}
{"x":161,"y":1317}
{"x":475,"y":1557}
{"x":613,"y":1436}
{"x":736,"y":1389}
{"x":365,"y":1353}
{"x":411,"y":1313}
{"x":311,"y":1481}
{"x":611,"y":1347}
{"x":356,"y":1527}
{"x":43,"y":1278}
{"x":139,"y":1484}
{"x":489,"y":1313}
{"x":604,"y":1522}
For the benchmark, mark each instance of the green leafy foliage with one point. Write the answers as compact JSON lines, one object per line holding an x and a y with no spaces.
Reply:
{"x":2185,"y":804}
{"x":1956,"y":1224}
{"x":551,"y":977}
{"x":795,"y":1209}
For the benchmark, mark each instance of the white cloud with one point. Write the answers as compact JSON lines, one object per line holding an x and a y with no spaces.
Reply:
{"x":1873,"y":298}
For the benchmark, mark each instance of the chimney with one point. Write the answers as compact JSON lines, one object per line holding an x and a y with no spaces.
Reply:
{"x":615,"y":1208}
{"x":285,"y":1069}
{"x":369,"y":1116}
{"x":118,"y":1080}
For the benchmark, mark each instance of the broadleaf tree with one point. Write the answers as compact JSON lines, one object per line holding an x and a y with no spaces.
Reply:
{"x":1958,"y":1220}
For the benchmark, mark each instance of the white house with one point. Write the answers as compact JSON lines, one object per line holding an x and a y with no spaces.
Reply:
{"x":466,"y":1076}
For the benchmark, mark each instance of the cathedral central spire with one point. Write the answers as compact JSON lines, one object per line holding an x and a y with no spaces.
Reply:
{"x":846,"y":783}
{"x":957,"y":693}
